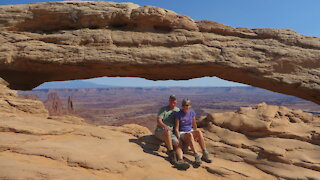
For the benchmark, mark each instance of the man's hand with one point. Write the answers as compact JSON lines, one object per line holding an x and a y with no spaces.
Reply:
{"x":167,"y":128}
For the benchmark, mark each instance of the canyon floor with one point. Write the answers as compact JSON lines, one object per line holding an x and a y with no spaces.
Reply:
{"x":258,"y":142}
{"x":119,"y":106}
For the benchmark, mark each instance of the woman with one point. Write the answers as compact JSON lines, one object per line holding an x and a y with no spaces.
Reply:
{"x":186,"y":130}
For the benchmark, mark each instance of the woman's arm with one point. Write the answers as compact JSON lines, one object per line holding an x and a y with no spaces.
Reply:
{"x":176,"y":128}
{"x":194,"y":123}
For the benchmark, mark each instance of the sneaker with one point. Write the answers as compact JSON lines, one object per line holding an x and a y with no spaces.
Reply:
{"x":182,"y":164}
{"x":172,"y":157}
{"x":197,"y":159}
{"x":205,"y":157}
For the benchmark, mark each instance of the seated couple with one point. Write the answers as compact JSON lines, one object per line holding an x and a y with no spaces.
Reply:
{"x":175,"y":126}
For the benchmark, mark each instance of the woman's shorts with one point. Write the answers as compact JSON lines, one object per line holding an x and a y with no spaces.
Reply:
{"x":182,"y":133}
{"x":159,"y":133}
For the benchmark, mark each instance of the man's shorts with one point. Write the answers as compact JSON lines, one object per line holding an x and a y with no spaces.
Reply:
{"x":159,"y":133}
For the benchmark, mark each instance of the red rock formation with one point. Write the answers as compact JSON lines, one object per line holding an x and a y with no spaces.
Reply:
{"x":70,"y":106}
{"x":54,"y":104}
{"x":75,"y":40}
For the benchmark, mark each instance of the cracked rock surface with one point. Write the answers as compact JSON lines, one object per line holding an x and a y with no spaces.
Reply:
{"x":68,"y":40}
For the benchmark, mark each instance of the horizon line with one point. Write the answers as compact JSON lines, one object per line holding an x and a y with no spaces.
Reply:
{"x":116,"y":87}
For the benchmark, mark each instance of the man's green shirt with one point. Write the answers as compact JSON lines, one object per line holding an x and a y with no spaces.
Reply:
{"x":168,"y":115}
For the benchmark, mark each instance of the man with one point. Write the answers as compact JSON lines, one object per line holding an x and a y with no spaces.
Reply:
{"x":164,"y":132}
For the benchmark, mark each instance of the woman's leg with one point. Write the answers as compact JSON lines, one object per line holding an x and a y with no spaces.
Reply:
{"x":198,"y":136}
{"x":188,"y":137}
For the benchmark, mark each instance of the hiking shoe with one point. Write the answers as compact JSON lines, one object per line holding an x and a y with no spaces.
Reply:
{"x":197,"y":159}
{"x":182,"y":164}
{"x":205,"y":157}
{"x":172,"y":157}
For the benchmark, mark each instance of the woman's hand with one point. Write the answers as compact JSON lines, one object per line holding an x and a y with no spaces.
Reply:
{"x":176,"y":128}
{"x":178,"y":135}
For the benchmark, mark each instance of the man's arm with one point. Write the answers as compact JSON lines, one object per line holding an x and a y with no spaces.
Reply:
{"x":160,"y":117}
{"x":161,"y":124}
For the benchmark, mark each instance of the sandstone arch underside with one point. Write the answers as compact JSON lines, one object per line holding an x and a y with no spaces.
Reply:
{"x":74,"y":40}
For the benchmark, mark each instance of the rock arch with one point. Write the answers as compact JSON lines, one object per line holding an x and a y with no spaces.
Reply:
{"x":74,"y":40}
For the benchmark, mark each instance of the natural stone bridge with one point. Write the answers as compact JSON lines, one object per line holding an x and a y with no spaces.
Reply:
{"x":75,"y":40}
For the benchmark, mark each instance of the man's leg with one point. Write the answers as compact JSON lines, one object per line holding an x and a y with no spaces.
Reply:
{"x":165,"y":136}
{"x":180,"y":164}
{"x":179,"y":152}
{"x":167,"y":139}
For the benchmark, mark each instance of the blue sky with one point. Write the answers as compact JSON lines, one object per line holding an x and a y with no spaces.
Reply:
{"x":299,"y":15}
{"x":139,"y":82}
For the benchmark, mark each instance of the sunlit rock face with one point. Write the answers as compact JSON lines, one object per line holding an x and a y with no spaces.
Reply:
{"x":275,"y":139}
{"x":262,"y":141}
{"x":13,"y":106}
{"x":74,"y":40}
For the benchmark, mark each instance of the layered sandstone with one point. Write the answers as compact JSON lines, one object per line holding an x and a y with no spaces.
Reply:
{"x":74,"y":40}
{"x":11,"y":105}
{"x":275,"y":139}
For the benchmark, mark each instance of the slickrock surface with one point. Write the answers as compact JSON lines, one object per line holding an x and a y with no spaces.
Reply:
{"x":261,"y":142}
{"x":11,"y":105}
{"x":275,"y":139}
{"x":74,"y":40}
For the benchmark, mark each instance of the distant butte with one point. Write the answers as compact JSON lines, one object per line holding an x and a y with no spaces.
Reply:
{"x":75,"y":40}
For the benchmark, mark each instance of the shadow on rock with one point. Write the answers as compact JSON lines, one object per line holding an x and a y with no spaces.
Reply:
{"x":194,"y":164}
{"x":150,"y":144}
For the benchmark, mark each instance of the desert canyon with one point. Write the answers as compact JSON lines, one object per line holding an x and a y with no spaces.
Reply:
{"x":69,"y":40}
